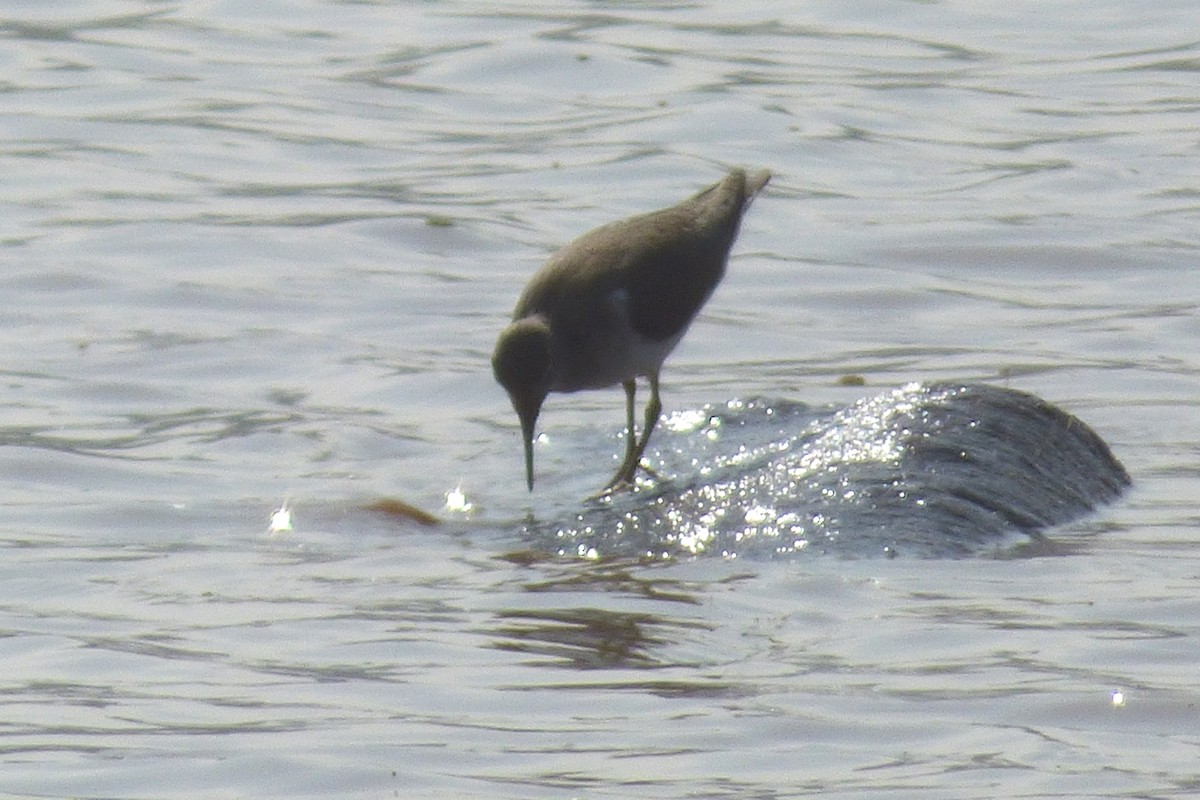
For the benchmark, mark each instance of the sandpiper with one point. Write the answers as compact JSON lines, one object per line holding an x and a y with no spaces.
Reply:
{"x":611,"y":305}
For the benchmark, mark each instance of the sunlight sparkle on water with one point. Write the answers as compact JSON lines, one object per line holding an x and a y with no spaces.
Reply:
{"x":685,"y":421}
{"x":456,"y":501}
{"x":281,"y":519}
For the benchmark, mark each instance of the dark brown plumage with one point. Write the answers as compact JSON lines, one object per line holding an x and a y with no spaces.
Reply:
{"x":611,"y":305}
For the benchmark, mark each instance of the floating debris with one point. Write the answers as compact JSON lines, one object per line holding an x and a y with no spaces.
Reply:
{"x":399,"y":508}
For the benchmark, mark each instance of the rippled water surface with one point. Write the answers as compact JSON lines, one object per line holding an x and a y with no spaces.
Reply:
{"x":257,"y":253}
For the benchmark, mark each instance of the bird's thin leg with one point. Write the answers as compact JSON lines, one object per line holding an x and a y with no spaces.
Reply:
{"x":653,"y":410}
{"x":624,"y":473}
{"x":635,"y":446}
{"x":630,"y":431}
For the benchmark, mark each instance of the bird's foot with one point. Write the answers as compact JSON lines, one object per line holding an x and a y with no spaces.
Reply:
{"x":624,"y":481}
{"x":657,"y":478}
{"x":621,"y":482}
{"x":613,"y":489}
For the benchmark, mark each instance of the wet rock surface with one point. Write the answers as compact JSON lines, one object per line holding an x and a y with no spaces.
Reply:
{"x":927,"y":470}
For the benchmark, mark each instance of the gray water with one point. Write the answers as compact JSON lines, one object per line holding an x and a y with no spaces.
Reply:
{"x":257,"y":253}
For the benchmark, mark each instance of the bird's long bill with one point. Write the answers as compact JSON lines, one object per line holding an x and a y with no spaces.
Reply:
{"x":528,"y":414}
{"x":528,"y":435}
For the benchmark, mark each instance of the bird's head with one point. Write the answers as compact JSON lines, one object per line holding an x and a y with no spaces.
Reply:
{"x":521,"y":363}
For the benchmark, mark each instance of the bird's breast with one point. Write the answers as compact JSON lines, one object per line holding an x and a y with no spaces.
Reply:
{"x":600,"y":347}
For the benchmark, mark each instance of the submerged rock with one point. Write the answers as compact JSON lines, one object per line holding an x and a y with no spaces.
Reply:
{"x":931,"y":470}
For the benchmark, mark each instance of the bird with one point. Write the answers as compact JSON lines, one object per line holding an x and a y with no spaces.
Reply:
{"x":610,"y":307}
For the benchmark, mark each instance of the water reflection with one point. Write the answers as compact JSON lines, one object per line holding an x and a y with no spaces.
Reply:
{"x":611,"y":575}
{"x":586,"y":638}
{"x":641,"y":634}
{"x":590,"y":637}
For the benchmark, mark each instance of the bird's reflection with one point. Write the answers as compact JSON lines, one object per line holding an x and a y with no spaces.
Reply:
{"x":647,"y":635}
{"x":585,"y":638}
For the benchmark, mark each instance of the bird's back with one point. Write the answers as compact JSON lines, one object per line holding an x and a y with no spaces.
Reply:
{"x":669,"y":261}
